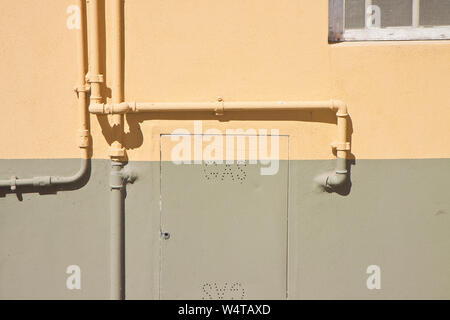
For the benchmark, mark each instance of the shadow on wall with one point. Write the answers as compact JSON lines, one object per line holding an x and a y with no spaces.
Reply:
{"x":134,"y":138}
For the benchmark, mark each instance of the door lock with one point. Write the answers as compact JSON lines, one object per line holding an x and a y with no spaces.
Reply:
{"x":165,"y":235}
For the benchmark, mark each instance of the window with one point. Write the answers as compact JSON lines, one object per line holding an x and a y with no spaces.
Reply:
{"x":356,"y":20}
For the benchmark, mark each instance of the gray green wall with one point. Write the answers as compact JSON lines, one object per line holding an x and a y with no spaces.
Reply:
{"x":395,"y":215}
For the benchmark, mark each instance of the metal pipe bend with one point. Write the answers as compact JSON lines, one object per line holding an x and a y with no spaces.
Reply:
{"x":47,"y":181}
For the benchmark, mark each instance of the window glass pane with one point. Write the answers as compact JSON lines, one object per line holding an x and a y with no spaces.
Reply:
{"x":354,"y":14}
{"x":354,"y":20}
{"x":434,"y":12}
{"x":395,"y":13}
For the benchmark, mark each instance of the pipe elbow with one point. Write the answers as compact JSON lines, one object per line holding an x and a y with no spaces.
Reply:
{"x":63,"y":181}
{"x":340,"y":107}
{"x":336,"y":179}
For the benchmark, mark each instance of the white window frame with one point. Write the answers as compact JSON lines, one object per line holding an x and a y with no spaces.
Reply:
{"x":338,"y":33}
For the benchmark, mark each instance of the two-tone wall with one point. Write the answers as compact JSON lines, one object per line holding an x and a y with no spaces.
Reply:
{"x":394,"y":215}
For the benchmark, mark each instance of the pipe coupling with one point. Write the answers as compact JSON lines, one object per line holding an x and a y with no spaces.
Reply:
{"x":112,"y":108}
{"x":94,"y":78}
{"x":42,"y":181}
{"x":116,"y":180}
{"x":116,"y":153}
{"x":97,"y":108}
{"x":83,"y":138}
{"x":118,"y":108}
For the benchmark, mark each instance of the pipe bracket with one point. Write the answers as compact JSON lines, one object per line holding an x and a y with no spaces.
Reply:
{"x":132,"y":106}
{"x":340,"y":146}
{"x":83,"y":88}
{"x":220,"y":108}
{"x":13,"y":183}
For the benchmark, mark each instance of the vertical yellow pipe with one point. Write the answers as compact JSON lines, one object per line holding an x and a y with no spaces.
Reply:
{"x":116,"y":150}
{"x":342,"y":135}
{"x":94,"y":77}
{"x":83,"y":133}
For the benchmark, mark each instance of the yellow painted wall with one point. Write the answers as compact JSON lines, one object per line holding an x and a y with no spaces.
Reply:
{"x":195,"y":50}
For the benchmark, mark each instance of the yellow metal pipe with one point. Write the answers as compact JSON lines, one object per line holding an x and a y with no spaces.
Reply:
{"x":82,"y":89}
{"x":342,"y":146}
{"x":234,"y":106}
{"x":94,"y":78}
{"x":116,"y":150}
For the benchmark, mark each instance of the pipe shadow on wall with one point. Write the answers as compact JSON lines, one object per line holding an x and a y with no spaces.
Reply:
{"x":134,"y":138}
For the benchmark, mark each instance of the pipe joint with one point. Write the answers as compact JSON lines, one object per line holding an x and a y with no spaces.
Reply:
{"x":117,"y":108}
{"x":112,"y":108}
{"x":132,"y":107}
{"x":83,"y":138}
{"x":340,"y":107}
{"x":220,"y":108}
{"x":116,"y":152}
{"x":116,"y":181}
{"x":83,"y":88}
{"x":341,"y":146}
{"x":94,"y":78}
{"x":97,"y":108}
{"x":13,"y":186}
{"x":119,"y":176}
{"x":42,"y":181}
{"x":336,"y":179}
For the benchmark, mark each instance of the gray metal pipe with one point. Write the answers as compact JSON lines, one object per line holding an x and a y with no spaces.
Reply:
{"x":117,"y":232}
{"x":339,"y":177}
{"x":335,"y":180}
{"x":47,"y":181}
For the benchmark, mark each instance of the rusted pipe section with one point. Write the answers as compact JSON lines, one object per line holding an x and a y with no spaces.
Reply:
{"x":83,"y":133}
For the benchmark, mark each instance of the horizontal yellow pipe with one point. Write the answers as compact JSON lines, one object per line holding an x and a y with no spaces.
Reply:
{"x":220,"y":106}
{"x":216,"y":106}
